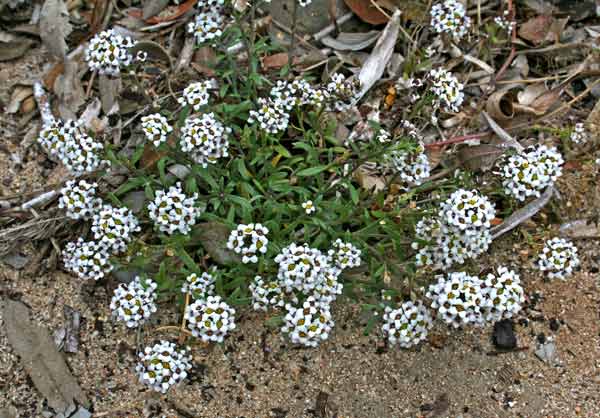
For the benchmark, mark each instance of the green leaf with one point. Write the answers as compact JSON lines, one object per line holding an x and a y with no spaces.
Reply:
{"x":312,"y":171}
{"x":131,"y":184}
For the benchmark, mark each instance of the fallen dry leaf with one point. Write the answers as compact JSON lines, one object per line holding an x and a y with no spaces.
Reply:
{"x":365,"y":10}
{"x":168,"y":14}
{"x":15,"y":49}
{"x":536,"y":29}
{"x":55,"y":27}
{"x":40,"y":358}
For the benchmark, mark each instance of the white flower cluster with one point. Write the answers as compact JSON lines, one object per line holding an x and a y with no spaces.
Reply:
{"x":530,"y":172}
{"x":459,"y":232}
{"x":114,"y":227}
{"x":412,"y":166}
{"x":505,"y":23}
{"x":210,"y":319}
{"x":205,"y":138}
{"x":271,"y":116}
{"x":75,"y":149}
{"x":249,"y":240}
{"x":162,"y":366}
{"x":308,"y":324}
{"x":461,"y":299}
{"x":301,"y":268}
{"x":450,"y":17}
{"x":298,"y":92}
{"x":448,"y":91}
{"x":266,"y":294}
{"x":458,"y":299}
{"x":408,"y":325}
{"x":304,"y":3}
{"x":79,"y":199}
{"x":558,"y":258}
{"x":327,"y":289}
{"x":504,"y":295}
{"x":196,"y":95}
{"x":340,"y":92}
{"x":199,"y":286}
{"x":108,"y":52}
{"x":156,"y":128}
{"x":209,"y":22}
{"x":135,"y":302}
{"x":87,"y":259}
{"x":344,"y":255}
{"x":172,"y":211}
{"x":579,"y":135}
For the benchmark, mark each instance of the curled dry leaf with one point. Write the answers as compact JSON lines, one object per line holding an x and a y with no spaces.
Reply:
{"x":500,"y":105}
{"x":480,"y":157}
{"x":69,"y":90}
{"x":55,"y":27}
{"x":369,"y":179}
{"x":18,"y":96}
{"x":366,"y":11}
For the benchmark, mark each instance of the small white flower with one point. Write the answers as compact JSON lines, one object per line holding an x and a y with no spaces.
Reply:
{"x":249,"y":241}
{"x":156,"y":128}
{"x":162,"y":366}
{"x":210,"y":319}
{"x":205,"y":139}
{"x":579,"y":135}
{"x":271,"y":116}
{"x":344,"y":255}
{"x":79,"y":199}
{"x":408,"y":325}
{"x":301,"y":268}
{"x":266,"y":294}
{"x":341,"y":92}
{"x":141,"y":56}
{"x":208,"y":26}
{"x":532,"y":171}
{"x":558,"y":258}
{"x":135,"y":302}
{"x":76,"y":150}
{"x":459,"y":299}
{"x":199,"y":286}
{"x":87,"y":259}
{"x":308,"y":324}
{"x":504,"y":295}
{"x":196,"y":95}
{"x":108,"y":52}
{"x":114,"y":227}
{"x":450,"y":17}
{"x":304,"y":3}
{"x":447,"y":90}
{"x":173,"y":211}
{"x":411,"y":166}
{"x":308,"y":207}
{"x":468,"y":211}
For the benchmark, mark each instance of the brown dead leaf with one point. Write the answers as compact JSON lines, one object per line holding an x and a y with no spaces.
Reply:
{"x":435,"y":156}
{"x":365,"y":10}
{"x":480,"y":157}
{"x":168,"y":14}
{"x":536,"y":29}
{"x":274,"y":61}
{"x":153,"y":7}
{"x":500,"y":105}
{"x":19,"y":94}
{"x":368,"y":179}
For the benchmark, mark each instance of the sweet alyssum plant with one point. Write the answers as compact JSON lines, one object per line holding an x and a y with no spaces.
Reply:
{"x":264,"y":208}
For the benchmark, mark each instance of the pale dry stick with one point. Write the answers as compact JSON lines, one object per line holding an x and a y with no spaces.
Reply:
{"x":90,"y":85}
{"x":173,"y":328}
{"x":52,"y":239}
{"x":182,"y":335}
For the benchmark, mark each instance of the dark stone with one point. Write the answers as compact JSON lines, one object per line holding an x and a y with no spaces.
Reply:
{"x":554,"y":324}
{"x":541,"y":338}
{"x":504,"y":335}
